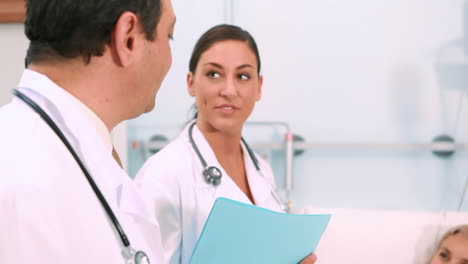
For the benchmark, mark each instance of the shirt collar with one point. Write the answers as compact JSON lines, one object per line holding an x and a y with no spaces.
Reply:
{"x":42,"y":83}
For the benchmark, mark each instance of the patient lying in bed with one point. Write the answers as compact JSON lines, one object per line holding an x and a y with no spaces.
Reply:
{"x":453,"y":247}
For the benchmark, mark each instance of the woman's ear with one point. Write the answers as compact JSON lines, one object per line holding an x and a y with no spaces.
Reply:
{"x":260,"y":84}
{"x":124,"y":38}
{"x":190,"y":87}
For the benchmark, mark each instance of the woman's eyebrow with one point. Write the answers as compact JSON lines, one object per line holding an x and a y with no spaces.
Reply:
{"x":244,"y":66}
{"x":214,"y":64}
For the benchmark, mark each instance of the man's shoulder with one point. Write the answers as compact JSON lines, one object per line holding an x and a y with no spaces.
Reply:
{"x":23,"y":134}
{"x":30,"y":152}
{"x":18,"y":121}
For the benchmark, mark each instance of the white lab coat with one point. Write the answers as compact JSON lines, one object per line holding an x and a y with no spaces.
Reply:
{"x":172,"y":183}
{"x":48,"y":211}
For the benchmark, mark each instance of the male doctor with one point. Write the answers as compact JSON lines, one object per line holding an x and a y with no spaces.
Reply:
{"x":90,"y":65}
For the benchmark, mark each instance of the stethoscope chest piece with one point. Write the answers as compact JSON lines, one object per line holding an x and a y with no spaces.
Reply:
{"x":141,"y":258}
{"x":212,"y":175}
{"x":138,"y":257}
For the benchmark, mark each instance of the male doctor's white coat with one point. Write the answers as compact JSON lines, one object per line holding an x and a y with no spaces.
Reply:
{"x":48,"y":211}
{"x":173,"y":186}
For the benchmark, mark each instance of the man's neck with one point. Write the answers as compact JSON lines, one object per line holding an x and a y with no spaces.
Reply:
{"x":86,"y":83}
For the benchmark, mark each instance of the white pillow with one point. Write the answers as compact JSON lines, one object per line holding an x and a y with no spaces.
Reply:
{"x":382,"y":236}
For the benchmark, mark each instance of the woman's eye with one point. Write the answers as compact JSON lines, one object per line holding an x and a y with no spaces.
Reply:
{"x":244,"y":76}
{"x":213,"y":75}
{"x":443,"y":255}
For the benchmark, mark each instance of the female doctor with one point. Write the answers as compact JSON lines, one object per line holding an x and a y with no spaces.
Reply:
{"x":209,"y":159}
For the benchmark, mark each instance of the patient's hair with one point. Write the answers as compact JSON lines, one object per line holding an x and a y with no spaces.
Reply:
{"x":64,"y":29}
{"x":461,"y":230}
{"x":457,"y":230}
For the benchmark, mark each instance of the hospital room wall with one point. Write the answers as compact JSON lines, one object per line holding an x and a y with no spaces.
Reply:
{"x":342,"y":71}
{"x":361,"y":71}
{"x":13,"y":46}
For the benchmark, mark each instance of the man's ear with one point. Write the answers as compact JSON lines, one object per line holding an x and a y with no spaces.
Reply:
{"x":190,"y":87}
{"x":260,"y":85}
{"x":124,"y":38}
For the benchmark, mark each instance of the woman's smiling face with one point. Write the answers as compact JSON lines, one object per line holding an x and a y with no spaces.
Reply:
{"x":226,"y":86}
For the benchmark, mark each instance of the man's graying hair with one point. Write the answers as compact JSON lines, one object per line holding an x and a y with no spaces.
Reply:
{"x":65,"y":29}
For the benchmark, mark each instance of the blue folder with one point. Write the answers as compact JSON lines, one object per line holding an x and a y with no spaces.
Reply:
{"x":240,"y":233}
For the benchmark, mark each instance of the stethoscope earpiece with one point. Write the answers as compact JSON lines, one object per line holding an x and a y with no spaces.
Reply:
{"x":212,"y":175}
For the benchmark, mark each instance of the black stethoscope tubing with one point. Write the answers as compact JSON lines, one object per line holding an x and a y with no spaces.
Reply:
{"x":202,"y":160}
{"x":195,"y":147}
{"x":213,"y":175}
{"x":54,"y":127}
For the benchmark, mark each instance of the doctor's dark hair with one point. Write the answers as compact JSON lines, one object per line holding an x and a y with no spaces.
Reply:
{"x":65,"y":29}
{"x":220,"y":33}
{"x":217,"y":34}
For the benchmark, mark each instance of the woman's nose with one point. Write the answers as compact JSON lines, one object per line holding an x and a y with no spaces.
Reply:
{"x":229,"y":88}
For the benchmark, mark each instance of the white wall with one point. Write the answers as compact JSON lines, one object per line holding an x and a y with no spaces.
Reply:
{"x":13,"y":45}
{"x":362,"y":70}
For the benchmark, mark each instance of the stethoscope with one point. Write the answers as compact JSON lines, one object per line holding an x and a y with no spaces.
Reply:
{"x":213,"y":175}
{"x":131,"y":255}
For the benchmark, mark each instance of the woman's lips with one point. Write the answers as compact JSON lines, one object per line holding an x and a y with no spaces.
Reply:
{"x":226,"y":109}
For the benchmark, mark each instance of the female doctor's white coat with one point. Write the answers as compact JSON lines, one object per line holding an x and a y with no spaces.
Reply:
{"x":172,"y":183}
{"x":48,"y":211}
